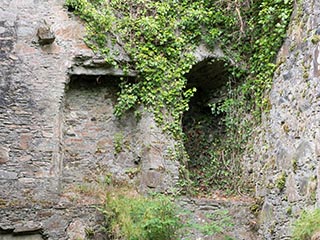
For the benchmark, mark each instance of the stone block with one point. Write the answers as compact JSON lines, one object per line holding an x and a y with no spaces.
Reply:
{"x":291,"y":189}
{"x":303,"y":185}
{"x":267,"y":213}
{"x":27,"y":227}
{"x":4,"y":155}
{"x":25,"y":141}
{"x":316,"y":62}
{"x":21,"y":237}
{"x":2,"y":30}
{"x":76,"y":230}
{"x":45,"y":35}
{"x":7,"y":175}
{"x":151,"y":179}
{"x":303,"y":150}
{"x":152,"y":159}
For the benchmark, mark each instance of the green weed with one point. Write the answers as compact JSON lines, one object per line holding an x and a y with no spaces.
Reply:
{"x":134,"y":217}
{"x":307,"y":225}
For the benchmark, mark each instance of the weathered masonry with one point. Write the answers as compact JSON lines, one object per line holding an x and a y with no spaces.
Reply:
{"x":59,"y":138}
{"x":58,"y":135}
{"x":285,"y":160}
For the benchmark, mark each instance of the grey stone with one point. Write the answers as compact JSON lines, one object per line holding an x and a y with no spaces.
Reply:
{"x":27,"y":228}
{"x":8,"y":175}
{"x":303,"y":150}
{"x":21,"y":237}
{"x":284,"y":158}
{"x":202,"y":52}
{"x":267,"y":212}
{"x":45,"y":35}
{"x":304,"y":106}
{"x":152,"y":160}
{"x":25,"y":31}
{"x":291,"y":188}
{"x":9,"y":16}
{"x":152,"y":179}
{"x":16,"y":4}
{"x":2,"y":30}
{"x":80,"y":70}
{"x":4,"y":155}
{"x":287,"y":75}
{"x":76,"y":230}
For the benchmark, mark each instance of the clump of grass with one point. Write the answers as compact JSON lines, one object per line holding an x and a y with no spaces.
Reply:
{"x":307,"y":225}
{"x":132,"y":216}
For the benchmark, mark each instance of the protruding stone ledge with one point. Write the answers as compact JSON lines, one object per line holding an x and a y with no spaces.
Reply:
{"x":45,"y":35}
{"x":96,"y":66}
{"x":81,"y":70}
{"x":28,"y":228}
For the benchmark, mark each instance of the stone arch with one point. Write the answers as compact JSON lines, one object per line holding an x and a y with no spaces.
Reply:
{"x":210,"y":76}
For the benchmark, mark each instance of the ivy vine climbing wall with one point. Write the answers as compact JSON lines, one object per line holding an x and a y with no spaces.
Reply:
{"x":160,"y":38}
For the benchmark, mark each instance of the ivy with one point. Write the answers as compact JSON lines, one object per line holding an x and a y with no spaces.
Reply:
{"x":160,"y":38}
{"x":266,"y":24}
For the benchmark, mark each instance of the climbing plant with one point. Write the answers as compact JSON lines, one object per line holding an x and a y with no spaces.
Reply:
{"x":160,"y":38}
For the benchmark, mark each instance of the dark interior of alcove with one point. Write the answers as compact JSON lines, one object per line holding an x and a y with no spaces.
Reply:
{"x":201,"y":127}
{"x":81,"y":82}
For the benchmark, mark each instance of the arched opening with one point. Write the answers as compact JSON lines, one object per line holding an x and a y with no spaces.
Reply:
{"x":202,"y":128}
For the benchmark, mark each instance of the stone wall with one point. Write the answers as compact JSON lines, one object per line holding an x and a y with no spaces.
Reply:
{"x":58,"y":136}
{"x":285,"y":161}
{"x":131,"y":149}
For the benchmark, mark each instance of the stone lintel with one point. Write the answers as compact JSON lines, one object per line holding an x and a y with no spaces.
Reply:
{"x":80,"y":70}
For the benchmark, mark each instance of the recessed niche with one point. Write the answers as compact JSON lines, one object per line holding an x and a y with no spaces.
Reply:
{"x":88,"y":125}
{"x":91,"y":134}
{"x":209,"y":77}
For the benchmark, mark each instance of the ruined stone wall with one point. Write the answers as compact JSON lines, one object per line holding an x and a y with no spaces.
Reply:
{"x":32,"y":87}
{"x":59,"y":138}
{"x":285,"y":161}
{"x":58,"y":135}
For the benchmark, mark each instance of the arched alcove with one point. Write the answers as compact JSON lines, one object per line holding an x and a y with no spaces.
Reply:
{"x":202,"y":128}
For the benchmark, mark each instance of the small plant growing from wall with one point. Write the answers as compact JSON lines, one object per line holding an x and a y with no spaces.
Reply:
{"x":281,"y":181}
{"x":118,"y":142}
